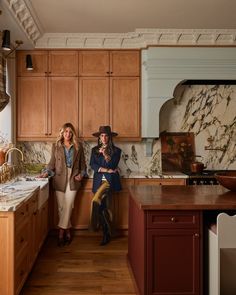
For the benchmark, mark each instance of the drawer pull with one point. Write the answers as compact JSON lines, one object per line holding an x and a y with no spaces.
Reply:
{"x":173,"y":219}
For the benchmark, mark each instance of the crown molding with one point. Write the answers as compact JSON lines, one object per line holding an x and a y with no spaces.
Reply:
{"x":26,"y":18}
{"x":23,"y":16}
{"x":141,"y":38}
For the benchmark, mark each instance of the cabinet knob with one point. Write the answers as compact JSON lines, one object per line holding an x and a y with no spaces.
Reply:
{"x":111,"y":72}
{"x":173,"y":219}
{"x":196,"y":235}
{"x":108,"y":72}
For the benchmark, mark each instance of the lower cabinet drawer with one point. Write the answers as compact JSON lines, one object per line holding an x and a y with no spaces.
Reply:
{"x":21,"y":270}
{"x":173,"y":219}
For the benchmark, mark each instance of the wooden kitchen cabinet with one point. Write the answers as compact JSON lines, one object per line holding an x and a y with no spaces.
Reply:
{"x":110,"y":85}
{"x":173,"y":252}
{"x":44,"y":104}
{"x":97,"y":63}
{"x":48,"y":63}
{"x":125,"y":107}
{"x":164,"y":250}
{"x":32,"y":108}
{"x":47,"y":96}
{"x":160,"y":181}
{"x":82,"y":207}
{"x":63,"y":63}
{"x":22,"y":234}
{"x":39,"y":60}
{"x":94,"y":104}
{"x":121,"y":205}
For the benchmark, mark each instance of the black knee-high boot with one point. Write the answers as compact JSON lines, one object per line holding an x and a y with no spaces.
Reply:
{"x":105,"y":222}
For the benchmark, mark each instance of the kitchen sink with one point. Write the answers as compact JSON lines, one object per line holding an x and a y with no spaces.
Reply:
{"x":22,"y":186}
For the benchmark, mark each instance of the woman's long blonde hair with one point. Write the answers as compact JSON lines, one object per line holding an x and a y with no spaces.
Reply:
{"x":74,"y":138}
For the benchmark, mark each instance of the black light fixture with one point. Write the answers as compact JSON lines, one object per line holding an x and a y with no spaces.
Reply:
{"x":6,"y":43}
{"x":29,"y":63}
{"x":6,"y":40}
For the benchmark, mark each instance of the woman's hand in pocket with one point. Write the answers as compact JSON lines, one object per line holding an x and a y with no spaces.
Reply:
{"x":78,"y":177}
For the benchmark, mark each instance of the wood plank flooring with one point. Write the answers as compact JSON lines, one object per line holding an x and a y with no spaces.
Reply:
{"x":82,"y":268}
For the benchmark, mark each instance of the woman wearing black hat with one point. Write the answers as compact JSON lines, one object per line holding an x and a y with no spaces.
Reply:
{"x":104,"y":161}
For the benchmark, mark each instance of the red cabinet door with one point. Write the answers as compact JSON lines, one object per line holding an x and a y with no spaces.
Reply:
{"x":173,"y":261}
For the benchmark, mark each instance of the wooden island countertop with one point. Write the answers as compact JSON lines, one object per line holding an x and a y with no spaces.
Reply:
{"x":202,"y":197}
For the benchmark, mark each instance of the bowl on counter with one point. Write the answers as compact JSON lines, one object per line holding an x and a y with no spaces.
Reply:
{"x":227,"y":179}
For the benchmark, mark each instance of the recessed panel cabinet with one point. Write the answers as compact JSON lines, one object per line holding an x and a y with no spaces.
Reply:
{"x":110,"y":92}
{"x":109,"y":63}
{"x":88,"y":88}
{"x":44,"y":104}
{"x":48,"y":63}
{"x":164,"y":250}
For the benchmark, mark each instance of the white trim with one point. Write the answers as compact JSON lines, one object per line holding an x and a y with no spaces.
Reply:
{"x":26,"y":18}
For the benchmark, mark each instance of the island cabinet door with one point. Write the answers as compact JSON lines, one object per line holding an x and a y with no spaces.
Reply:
{"x":173,"y":261}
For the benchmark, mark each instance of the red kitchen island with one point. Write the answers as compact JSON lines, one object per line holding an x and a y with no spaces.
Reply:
{"x":167,"y":238}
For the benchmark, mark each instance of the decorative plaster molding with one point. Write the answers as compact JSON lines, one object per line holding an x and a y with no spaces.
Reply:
{"x":22,"y":14}
{"x":141,"y":38}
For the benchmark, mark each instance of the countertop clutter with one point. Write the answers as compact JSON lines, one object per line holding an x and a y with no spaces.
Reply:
{"x":14,"y":193}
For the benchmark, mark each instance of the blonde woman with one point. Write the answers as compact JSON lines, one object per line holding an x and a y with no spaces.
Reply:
{"x":67,"y":167}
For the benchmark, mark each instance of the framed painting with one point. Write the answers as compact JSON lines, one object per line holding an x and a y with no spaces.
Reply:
{"x":177,"y":150}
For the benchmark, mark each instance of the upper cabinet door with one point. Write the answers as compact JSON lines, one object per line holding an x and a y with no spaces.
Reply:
{"x":125,"y":63}
{"x":63,"y":63}
{"x":94,"y":63}
{"x":125,"y":107}
{"x":32,"y":108}
{"x":62,"y":103}
{"x":39,"y":60}
{"x":94,"y":104}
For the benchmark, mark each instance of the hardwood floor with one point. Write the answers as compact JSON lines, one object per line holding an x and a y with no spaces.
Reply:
{"x":82,"y":268}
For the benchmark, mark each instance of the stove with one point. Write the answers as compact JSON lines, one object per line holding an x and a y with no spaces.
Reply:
{"x":206,"y":177}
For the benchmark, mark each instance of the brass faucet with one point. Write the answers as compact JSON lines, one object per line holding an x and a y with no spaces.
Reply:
{"x":14,"y":149}
{"x":6,"y":171}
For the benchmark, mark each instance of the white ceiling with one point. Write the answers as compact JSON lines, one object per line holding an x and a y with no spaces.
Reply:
{"x":123,"y":16}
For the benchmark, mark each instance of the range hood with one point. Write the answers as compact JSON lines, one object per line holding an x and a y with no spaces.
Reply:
{"x":164,"y":68}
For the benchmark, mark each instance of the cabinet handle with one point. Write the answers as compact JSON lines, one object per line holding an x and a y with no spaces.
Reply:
{"x":196,"y":235}
{"x":173,"y":219}
{"x":108,"y":72}
{"x":22,"y":240}
{"x":111,"y":72}
{"x":22,"y":213}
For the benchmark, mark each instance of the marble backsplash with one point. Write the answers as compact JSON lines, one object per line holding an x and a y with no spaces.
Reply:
{"x":206,"y":110}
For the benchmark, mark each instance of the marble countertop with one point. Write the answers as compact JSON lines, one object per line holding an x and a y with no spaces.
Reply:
{"x":14,"y":193}
{"x":161,"y":175}
{"x":145,"y":175}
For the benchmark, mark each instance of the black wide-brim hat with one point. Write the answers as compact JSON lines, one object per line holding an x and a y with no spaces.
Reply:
{"x":105,"y":129}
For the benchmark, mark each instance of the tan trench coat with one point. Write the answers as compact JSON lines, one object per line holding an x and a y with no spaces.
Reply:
{"x":58,"y":165}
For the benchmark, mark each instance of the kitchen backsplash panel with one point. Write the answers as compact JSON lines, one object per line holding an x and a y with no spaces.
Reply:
{"x":206,"y":110}
{"x":209,"y":112}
